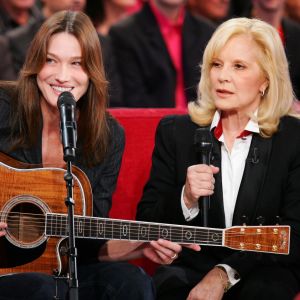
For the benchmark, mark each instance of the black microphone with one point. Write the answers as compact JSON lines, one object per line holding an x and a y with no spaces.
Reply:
{"x":203,"y":144}
{"x":67,"y":109}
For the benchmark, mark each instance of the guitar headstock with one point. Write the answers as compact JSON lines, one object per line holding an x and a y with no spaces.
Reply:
{"x":271,"y":239}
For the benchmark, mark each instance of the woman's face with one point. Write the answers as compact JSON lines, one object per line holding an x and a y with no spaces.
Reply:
{"x":63,"y":69}
{"x":235,"y":76}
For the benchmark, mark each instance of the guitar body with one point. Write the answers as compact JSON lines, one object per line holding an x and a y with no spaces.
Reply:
{"x":27,"y":193}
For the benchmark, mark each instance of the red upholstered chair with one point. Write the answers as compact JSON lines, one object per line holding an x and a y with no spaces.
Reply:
{"x":140,"y":126}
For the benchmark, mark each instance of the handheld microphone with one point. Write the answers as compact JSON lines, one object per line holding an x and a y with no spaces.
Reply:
{"x":67,"y":109}
{"x":203,"y":144}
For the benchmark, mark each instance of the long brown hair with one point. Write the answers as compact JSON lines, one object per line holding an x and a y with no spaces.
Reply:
{"x":93,"y":132}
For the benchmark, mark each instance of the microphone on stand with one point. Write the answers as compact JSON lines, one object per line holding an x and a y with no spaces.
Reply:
{"x":67,"y":109}
{"x":203,"y":144}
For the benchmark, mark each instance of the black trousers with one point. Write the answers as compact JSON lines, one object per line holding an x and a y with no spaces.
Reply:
{"x":175,"y":282}
{"x":100,"y":281}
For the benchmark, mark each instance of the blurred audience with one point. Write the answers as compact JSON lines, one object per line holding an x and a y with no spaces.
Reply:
{"x":273,"y":12}
{"x":15,"y":13}
{"x":292,"y":8}
{"x":158,"y":52}
{"x":215,"y":10}
{"x":18,"y":40}
{"x":238,"y":7}
{"x":105,"y":13}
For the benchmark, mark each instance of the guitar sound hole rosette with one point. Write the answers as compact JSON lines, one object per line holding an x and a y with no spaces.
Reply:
{"x":25,"y":216}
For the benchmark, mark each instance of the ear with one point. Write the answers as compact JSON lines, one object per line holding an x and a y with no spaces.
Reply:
{"x":264,"y":86}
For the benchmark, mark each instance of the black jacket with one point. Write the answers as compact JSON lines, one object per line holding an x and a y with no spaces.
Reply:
{"x":269,"y":188}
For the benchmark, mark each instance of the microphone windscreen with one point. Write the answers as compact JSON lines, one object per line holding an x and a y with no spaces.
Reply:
{"x":203,"y":139}
{"x":66,"y":98}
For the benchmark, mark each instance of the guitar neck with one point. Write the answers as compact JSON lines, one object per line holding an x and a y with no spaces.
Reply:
{"x":115,"y":229}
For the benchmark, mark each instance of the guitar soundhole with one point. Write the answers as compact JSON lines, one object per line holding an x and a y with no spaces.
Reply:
{"x":26,"y":222}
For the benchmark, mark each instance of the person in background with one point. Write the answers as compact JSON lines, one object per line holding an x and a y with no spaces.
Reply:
{"x":105,"y":13}
{"x":16,"y":13}
{"x":273,"y":12}
{"x":65,"y":55}
{"x":158,"y":51}
{"x":246,"y":102}
{"x":292,"y":9}
{"x":17,"y":41}
{"x":215,"y":10}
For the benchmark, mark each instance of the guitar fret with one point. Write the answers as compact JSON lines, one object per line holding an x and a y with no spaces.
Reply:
{"x":87,"y":227}
{"x":124,"y":231}
{"x":100,"y":229}
{"x":49,"y":224}
{"x":65,"y":227}
{"x":108,"y":229}
{"x":134,"y":231}
{"x":144,"y":232}
{"x":153,"y":232}
{"x":177,"y":234}
{"x":79,"y":227}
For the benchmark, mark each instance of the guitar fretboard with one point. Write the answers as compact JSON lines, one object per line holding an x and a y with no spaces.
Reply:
{"x":113,"y":229}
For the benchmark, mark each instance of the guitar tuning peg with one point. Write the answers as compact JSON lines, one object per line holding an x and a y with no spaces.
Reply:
{"x":278,"y":220}
{"x":244,"y":220}
{"x":260,"y":220}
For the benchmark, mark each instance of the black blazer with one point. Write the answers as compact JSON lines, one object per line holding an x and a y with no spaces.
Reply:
{"x":147,"y":72}
{"x":269,"y":188}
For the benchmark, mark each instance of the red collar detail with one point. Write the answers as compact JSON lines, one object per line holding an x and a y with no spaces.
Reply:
{"x":218,"y":131}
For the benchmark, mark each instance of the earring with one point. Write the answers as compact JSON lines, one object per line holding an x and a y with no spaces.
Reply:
{"x":262,"y":93}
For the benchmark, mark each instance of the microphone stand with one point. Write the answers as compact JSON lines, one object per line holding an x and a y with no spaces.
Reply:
{"x":72,"y":252}
{"x":67,"y":108}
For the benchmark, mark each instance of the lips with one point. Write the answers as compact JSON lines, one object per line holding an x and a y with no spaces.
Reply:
{"x":224,"y":92}
{"x":61,"y":89}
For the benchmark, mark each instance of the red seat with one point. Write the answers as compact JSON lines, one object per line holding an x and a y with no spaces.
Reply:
{"x":140,"y":126}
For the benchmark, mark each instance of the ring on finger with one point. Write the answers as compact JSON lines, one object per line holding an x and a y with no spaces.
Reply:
{"x":174,"y":256}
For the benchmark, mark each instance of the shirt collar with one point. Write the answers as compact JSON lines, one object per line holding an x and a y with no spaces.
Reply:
{"x":216,"y":126}
{"x":163,"y":21}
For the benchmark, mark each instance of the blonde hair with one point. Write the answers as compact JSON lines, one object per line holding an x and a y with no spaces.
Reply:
{"x":278,"y":98}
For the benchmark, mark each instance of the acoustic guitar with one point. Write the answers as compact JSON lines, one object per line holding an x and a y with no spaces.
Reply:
{"x":32,"y":203}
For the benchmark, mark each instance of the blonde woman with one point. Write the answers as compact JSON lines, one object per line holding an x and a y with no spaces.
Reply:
{"x":245,"y":100}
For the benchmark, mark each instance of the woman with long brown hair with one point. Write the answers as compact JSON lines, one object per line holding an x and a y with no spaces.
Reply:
{"x":65,"y":56}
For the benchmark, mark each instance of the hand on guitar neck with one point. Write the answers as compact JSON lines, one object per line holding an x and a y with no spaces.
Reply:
{"x":2,"y":228}
{"x":160,"y":251}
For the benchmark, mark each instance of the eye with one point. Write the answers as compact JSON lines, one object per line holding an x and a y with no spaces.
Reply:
{"x":49,"y":60}
{"x":239,"y":66}
{"x":76,"y":63}
{"x":216,"y":64}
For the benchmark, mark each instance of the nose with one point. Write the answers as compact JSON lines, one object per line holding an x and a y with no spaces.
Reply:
{"x":62,"y":73}
{"x":224,"y":74}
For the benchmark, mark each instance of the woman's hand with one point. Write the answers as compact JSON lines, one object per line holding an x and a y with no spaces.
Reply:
{"x":3,"y":226}
{"x":199,"y":182}
{"x":211,"y":287}
{"x":165,"y":252}
{"x":160,"y":252}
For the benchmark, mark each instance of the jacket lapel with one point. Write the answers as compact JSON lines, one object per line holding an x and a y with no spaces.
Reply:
{"x":152,"y":32}
{"x":252,"y":181}
{"x":216,"y":210}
